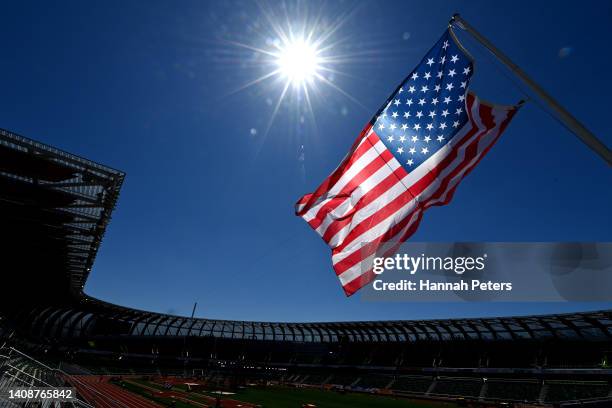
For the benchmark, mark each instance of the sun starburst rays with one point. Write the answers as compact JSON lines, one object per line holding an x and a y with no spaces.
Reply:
{"x":299,"y":63}
{"x":298,"y":57}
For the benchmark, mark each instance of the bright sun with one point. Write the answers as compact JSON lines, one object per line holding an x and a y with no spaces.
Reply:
{"x":298,"y":62}
{"x":298,"y":59}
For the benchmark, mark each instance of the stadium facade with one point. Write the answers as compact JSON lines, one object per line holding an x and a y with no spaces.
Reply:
{"x":54,"y":210}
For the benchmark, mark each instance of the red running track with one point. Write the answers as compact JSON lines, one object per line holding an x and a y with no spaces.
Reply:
{"x":98,"y":392}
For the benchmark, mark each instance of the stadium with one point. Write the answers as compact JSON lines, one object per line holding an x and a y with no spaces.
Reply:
{"x":55,"y":208}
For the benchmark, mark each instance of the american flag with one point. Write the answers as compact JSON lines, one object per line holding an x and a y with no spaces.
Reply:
{"x":427,"y":136}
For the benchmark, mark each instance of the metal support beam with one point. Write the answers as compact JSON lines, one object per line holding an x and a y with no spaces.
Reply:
{"x":564,"y":116}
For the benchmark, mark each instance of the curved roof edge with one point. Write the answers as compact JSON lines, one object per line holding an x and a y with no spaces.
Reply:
{"x":94,"y":317}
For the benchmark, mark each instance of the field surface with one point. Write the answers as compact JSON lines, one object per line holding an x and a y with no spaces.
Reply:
{"x":272,"y":397}
{"x":279,"y":397}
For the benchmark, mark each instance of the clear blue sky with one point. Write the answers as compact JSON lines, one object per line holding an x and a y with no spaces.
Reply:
{"x":206,"y":211}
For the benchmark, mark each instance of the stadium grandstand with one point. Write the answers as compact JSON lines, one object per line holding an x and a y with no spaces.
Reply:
{"x":54,"y":210}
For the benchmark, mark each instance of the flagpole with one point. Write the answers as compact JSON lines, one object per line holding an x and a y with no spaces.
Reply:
{"x":568,"y":120}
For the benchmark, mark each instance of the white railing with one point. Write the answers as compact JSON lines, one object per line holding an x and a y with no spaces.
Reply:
{"x":17,"y":369}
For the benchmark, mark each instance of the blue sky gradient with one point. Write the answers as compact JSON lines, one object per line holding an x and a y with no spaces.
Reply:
{"x":206,"y":211}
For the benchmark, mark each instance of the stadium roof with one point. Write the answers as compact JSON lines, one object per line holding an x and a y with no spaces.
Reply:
{"x":54,"y":209}
{"x":97,"y":318}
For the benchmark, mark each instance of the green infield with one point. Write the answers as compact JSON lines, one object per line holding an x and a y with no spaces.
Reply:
{"x":284,"y":397}
{"x":288,"y":397}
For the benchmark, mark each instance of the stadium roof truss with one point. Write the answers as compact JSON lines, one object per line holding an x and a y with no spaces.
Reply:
{"x":74,"y":322}
{"x":56,"y":207}
{"x":576,"y":326}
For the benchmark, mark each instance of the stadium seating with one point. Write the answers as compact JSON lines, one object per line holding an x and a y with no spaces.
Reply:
{"x":374,"y":381}
{"x":342,"y":379}
{"x":513,"y":390}
{"x":576,"y":390}
{"x":457,"y":386}
{"x":316,"y":379}
{"x":412,"y":384}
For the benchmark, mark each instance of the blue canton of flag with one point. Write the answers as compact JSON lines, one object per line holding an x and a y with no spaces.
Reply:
{"x":429,"y":107}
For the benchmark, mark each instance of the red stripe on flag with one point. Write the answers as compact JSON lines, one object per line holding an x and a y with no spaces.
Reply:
{"x":310,"y":199}
{"x":382,"y":187}
{"x":347,"y":190}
